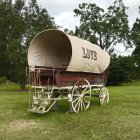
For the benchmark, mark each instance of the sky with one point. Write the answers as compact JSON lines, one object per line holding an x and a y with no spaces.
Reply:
{"x":62,"y":11}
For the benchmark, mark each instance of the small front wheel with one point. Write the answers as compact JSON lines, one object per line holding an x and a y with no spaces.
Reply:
{"x":103,"y":96}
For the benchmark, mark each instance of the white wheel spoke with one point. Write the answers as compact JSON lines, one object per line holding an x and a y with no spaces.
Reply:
{"x":75,"y":100}
{"x":87,"y":91}
{"x":81,"y":105}
{"x":86,"y":101}
{"x":76,"y":95}
{"x":76,"y":104}
{"x":87,"y":104}
{"x":77,"y":91}
{"x":84,"y":105}
{"x":101,"y":100}
{"x":83,"y":92}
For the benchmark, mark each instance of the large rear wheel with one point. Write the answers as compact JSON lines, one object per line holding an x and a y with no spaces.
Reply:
{"x":81,"y":95}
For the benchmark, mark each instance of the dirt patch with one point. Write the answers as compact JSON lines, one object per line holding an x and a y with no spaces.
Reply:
{"x":21,"y":124}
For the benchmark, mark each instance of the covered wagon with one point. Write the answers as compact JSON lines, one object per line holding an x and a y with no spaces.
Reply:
{"x":62,"y":66}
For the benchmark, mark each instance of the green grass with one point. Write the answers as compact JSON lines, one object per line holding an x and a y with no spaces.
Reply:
{"x":119,"y":120}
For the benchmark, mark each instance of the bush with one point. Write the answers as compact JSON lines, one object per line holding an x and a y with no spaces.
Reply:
{"x":3,"y":80}
{"x":122,"y":70}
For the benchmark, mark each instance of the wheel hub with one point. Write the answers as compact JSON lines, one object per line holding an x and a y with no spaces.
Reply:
{"x":81,"y":96}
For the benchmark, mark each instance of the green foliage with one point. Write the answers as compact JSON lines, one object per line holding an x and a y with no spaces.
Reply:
{"x":136,"y":39}
{"x":103,"y":28}
{"x":19,"y":24}
{"x":136,"y":53}
{"x":3,"y":80}
{"x":122,"y":70}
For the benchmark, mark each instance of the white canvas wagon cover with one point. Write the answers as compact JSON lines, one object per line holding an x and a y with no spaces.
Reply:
{"x":54,"y":48}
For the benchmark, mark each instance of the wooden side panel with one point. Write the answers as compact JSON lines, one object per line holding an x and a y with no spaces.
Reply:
{"x":70,"y":78}
{"x":62,"y":78}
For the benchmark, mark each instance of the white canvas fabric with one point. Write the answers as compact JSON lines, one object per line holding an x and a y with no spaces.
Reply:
{"x":54,"y":48}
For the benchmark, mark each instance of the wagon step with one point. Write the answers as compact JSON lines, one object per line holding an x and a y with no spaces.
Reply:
{"x":36,"y":111}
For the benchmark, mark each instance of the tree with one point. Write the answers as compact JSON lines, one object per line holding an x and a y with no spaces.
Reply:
{"x":103,"y":28}
{"x":19,"y":26}
{"x":136,"y":40}
{"x":5,"y":20}
{"x":122,"y":70}
{"x":37,"y":19}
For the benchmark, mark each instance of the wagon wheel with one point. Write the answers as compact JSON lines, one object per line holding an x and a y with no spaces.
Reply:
{"x":103,"y":96}
{"x":81,"y":95}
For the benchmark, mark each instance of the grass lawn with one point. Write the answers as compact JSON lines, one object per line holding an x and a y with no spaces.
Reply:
{"x":119,"y":120}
